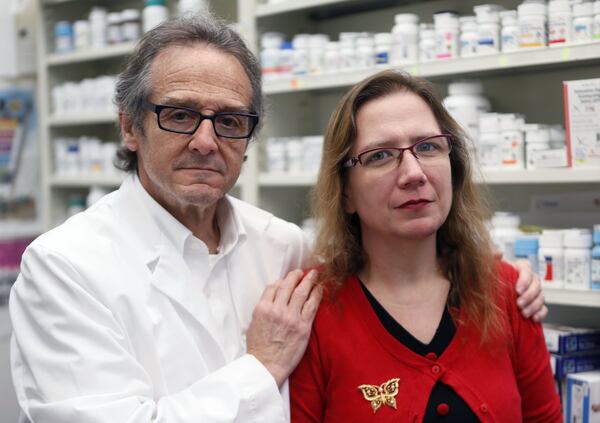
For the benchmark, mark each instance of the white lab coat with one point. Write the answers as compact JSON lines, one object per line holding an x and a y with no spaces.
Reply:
{"x":109,"y":328}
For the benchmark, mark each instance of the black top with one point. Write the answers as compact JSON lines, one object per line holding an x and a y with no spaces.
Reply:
{"x":444,"y":405}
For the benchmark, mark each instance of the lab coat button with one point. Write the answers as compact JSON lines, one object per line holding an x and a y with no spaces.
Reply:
{"x":435,"y":369}
{"x":484,"y":408}
{"x":442,"y":409}
{"x":431,"y":356}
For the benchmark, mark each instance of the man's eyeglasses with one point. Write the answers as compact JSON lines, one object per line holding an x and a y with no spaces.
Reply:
{"x":428,"y":149}
{"x":181,"y":120}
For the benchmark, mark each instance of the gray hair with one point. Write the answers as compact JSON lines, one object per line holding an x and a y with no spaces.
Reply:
{"x":133,"y":84}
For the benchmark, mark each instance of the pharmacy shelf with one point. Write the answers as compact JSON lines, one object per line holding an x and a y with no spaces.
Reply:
{"x":91,"y":54}
{"x":285,"y":179}
{"x":542,"y":176}
{"x":86,"y":181}
{"x":546,"y":57}
{"x":499,"y":177}
{"x":572,"y":298}
{"x":287,"y":6}
{"x":82,"y":119}
{"x":19,"y":229}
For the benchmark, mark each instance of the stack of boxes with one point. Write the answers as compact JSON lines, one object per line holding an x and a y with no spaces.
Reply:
{"x":575,"y":360}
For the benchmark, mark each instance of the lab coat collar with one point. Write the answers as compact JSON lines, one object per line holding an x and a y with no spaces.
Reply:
{"x":164,"y":260}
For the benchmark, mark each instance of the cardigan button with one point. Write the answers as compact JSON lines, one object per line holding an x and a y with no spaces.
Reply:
{"x":442,"y":409}
{"x":431,"y":356}
{"x":435,"y":369}
{"x":484,"y":408}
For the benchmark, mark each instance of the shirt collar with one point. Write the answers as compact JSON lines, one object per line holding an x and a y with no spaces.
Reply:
{"x":229,"y":221}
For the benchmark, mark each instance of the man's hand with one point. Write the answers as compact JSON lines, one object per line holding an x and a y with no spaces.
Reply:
{"x":529,"y":290}
{"x":281,"y":323}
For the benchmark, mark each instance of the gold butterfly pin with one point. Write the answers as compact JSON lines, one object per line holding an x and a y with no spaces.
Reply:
{"x":384,"y":394}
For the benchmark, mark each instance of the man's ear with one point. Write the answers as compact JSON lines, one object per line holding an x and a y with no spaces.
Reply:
{"x":130,"y":135}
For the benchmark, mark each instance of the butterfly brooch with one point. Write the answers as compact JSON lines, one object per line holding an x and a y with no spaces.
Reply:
{"x":384,"y":394}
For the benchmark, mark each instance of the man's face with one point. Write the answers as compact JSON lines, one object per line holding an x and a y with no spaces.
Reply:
{"x":181,"y":170}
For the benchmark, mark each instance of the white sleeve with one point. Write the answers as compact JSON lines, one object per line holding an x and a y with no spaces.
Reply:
{"x":71,"y":362}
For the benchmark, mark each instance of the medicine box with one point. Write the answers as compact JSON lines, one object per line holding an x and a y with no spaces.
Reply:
{"x":582,"y":122}
{"x":563,"y":365}
{"x":567,"y":340}
{"x":583,"y":398}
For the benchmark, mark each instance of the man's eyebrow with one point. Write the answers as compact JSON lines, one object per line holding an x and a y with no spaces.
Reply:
{"x":191,"y":104}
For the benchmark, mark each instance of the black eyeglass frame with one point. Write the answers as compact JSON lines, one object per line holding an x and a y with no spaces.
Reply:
{"x":158,"y":108}
{"x":353,"y":161}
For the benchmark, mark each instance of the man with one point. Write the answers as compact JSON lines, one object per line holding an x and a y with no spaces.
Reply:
{"x":151,"y":306}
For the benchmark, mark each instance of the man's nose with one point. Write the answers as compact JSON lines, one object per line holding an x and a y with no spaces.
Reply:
{"x":204,"y":140}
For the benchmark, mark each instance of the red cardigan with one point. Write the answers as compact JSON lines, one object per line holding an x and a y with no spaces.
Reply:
{"x":507,"y":383}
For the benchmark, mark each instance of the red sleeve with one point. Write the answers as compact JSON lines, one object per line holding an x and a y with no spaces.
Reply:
{"x":531,"y":360}
{"x":307,"y":386}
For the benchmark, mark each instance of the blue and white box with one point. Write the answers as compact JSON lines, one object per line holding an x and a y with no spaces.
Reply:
{"x":583,"y":397}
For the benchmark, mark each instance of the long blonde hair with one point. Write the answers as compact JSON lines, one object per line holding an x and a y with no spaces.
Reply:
{"x":463,"y":244}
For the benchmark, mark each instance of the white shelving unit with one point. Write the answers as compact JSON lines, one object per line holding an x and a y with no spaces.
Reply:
{"x":301,"y":106}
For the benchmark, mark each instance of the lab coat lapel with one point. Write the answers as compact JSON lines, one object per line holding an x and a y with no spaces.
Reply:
{"x":169,"y":273}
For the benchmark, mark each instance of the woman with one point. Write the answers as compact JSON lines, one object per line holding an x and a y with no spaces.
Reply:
{"x":420,"y":322}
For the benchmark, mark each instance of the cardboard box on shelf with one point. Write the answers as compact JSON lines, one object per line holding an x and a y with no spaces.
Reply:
{"x":582,"y":122}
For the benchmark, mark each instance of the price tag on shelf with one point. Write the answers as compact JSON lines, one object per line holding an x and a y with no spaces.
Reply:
{"x":565,"y":53}
{"x":295,"y":83}
{"x":503,"y":60}
{"x":414,"y":70}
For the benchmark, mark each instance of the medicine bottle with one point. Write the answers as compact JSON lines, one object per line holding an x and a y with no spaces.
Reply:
{"x":81,"y":34}
{"x":509,"y":34}
{"x":154,"y":13}
{"x":300,"y":64}
{"x":532,"y":25}
{"x":583,"y":22}
{"x":270,"y":43}
{"x":596,"y":258}
{"x":490,"y":141}
{"x":596,"y":29}
{"x":286,"y":59}
{"x":560,"y":22}
{"x":192,"y":6}
{"x":426,"y":42}
{"x":537,"y":137}
{"x":98,"y":23}
{"x":63,"y":37}
{"x":130,"y":24}
{"x":505,"y":230}
{"x":365,"y":52}
{"x":513,"y":144}
{"x":332,"y":57}
{"x":446,"y":34}
{"x":526,"y":247}
{"x":469,"y":37}
{"x":551,"y":258}
{"x":405,"y":43}
{"x":316,"y":52}
{"x":578,"y":259}
{"x":383,"y":47}
{"x":347,"y":54}
{"x":113,"y":29}
{"x":465,"y":104}
{"x":488,"y":28}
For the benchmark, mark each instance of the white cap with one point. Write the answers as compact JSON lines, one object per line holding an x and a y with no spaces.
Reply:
{"x":559,"y":6}
{"x":583,"y":9}
{"x":537,"y":133}
{"x":488,"y":13}
{"x":551,"y":238}
{"x":401,"y":18}
{"x":348,"y":36}
{"x":509,"y":122}
{"x":532,"y":9}
{"x":114,"y":17}
{"x":271,"y":40}
{"x":465,"y":88}
{"x":448,"y":18}
{"x":364,"y":41}
{"x":577,"y":238}
{"x":130,"y":15}
{"x":383,"y":38}
{"x":505,"y":220}
{"x":318,"y":40}
{"x":300,"y":41}
{"x":489,"y":122}
{"x":333,"y":45}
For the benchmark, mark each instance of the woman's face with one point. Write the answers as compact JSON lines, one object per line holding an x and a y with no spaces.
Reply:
{"x":410,"y":200}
